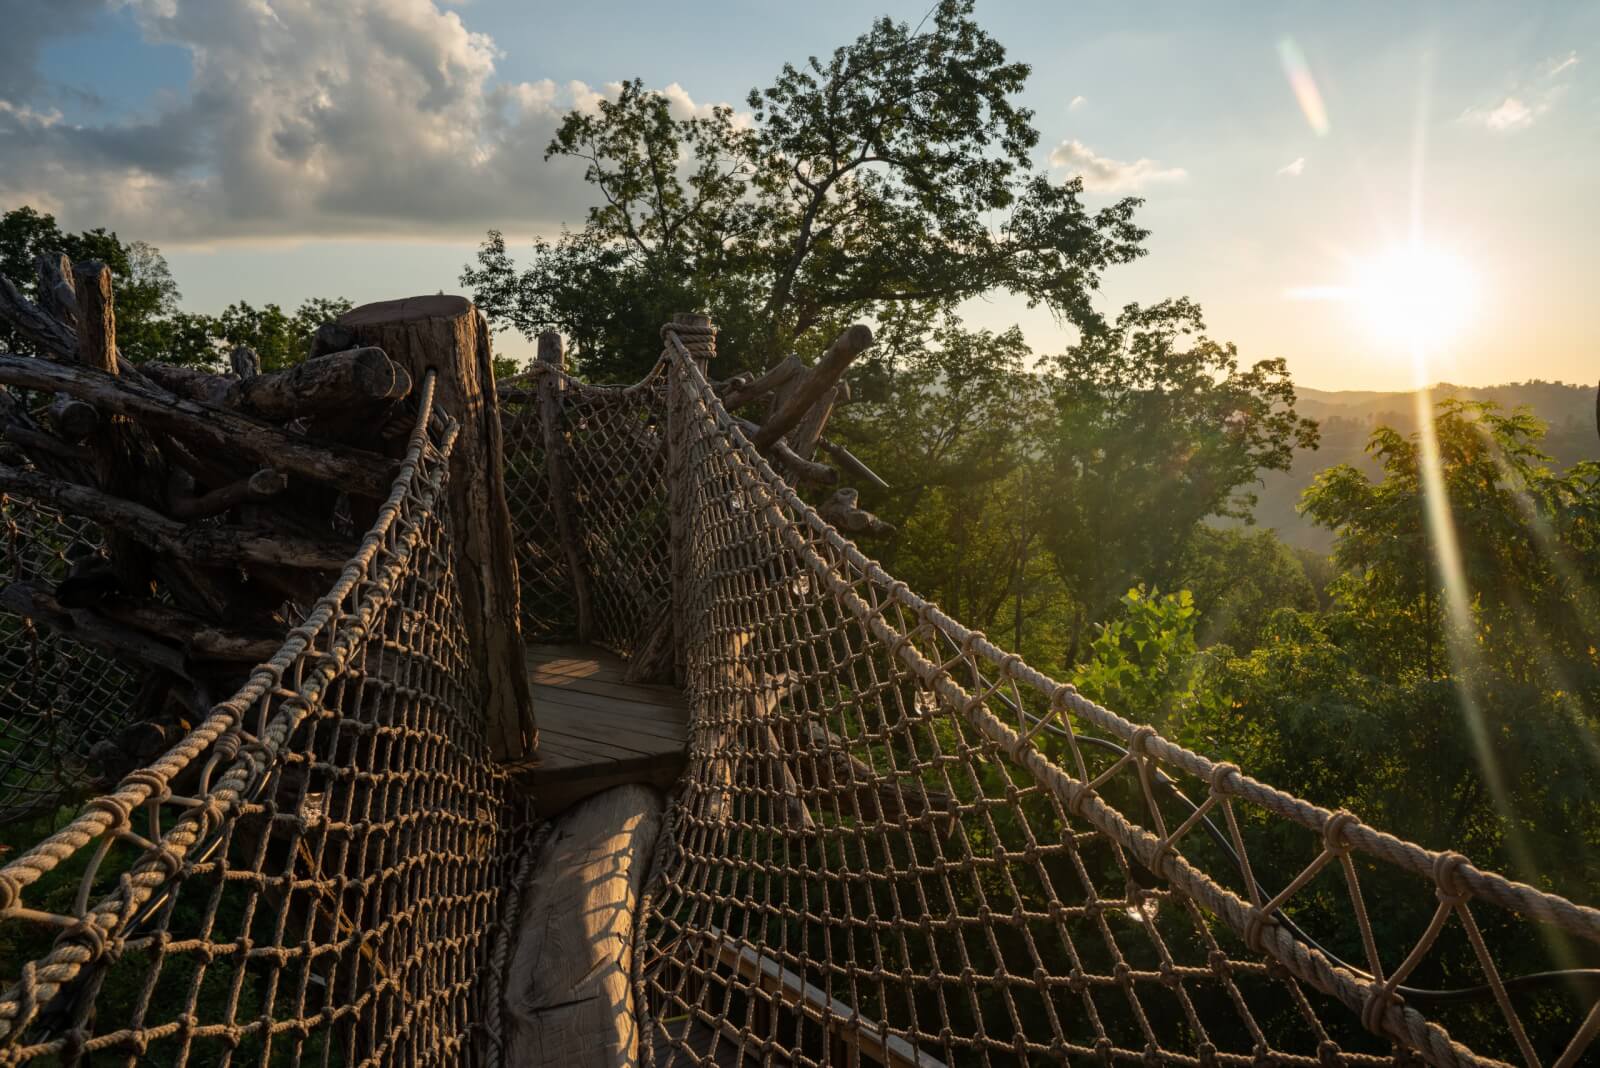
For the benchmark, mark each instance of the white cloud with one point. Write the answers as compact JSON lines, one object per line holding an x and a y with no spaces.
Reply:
{"x":1104,"y":175}
{"x":1529,"y":99}
{"x":307,"y":118}
{"x":1510,"y":114}
{"x":1077,"y":103}
{"x":1294,"y":169}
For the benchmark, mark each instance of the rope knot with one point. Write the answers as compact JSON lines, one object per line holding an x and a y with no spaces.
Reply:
{"x":1141,"y":736}
{"x":114,"y":807}
{"x":1220,"y":774}
{"x":1447,"y":874}
{"x":1333,"y":839}
{"x":1379,"y":997}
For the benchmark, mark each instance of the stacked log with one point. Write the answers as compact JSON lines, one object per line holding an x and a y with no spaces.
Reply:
{"x":800,"y":398}
{"x":226,"y":499}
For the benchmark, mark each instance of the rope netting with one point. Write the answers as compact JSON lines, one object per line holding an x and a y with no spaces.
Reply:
{"x":313,"y":873}
{"x":58,"y":698}
{"x":897,"y":842}
{"x":894,"y":841}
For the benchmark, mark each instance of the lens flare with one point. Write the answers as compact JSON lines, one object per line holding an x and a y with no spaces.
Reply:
{"x":1415,"y":296}
{"x":1298,"y":72}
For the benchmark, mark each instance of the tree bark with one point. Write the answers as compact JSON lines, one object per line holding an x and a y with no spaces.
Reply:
{"x":224,"y":432}
{"x":446,"y":334}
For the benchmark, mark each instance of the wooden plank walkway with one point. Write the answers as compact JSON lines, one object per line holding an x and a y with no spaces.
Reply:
{"x":596,"y":729}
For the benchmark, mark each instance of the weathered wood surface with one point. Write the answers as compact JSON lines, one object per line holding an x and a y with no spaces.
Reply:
{"x":340,"y":383}
{"x":448,"y":335}
{"x":860,"y":1035}
{"x":553,"y":355}
{"x":569,"y":999}
{"x":598,"y":729}
{"x":228,"y":433}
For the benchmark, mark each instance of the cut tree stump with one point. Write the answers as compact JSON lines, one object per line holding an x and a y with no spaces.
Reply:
{"x":446,"y":334}
{"x":569,"y":1001}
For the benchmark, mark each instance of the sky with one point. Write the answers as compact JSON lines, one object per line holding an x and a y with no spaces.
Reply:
{"x":277,"y":150}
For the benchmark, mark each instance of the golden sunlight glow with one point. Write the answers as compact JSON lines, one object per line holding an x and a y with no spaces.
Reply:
{"x":1415,"y":296}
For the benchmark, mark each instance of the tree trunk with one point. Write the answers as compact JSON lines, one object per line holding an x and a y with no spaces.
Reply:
{"x":446,"y":334}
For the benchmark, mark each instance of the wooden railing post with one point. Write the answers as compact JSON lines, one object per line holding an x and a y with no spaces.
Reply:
{"x":447,"y":335}
{"x":551,"y":386}
{"x":700,"y":338}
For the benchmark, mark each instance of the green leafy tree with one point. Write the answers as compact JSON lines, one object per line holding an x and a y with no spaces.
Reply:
{"x":889,"y":181}
{"x":1525,"y":537}
{"x":280,"y":339}
{"x":1239,"y":579}
{"x":147,"y":297}
{"x":1145,"y":663}
{"x":1155,"y":427}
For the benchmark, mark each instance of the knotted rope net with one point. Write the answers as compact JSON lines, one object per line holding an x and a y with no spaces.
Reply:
{"x":897,"y":843}
{"x":58,"y":698}
{"x":313,"y":873}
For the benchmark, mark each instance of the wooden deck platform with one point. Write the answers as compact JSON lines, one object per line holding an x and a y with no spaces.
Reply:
{"x":597,"y":730}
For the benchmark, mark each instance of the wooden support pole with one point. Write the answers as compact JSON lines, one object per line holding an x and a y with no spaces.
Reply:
{"x":569,"y":996}
{"x":447,"y":335}
{"x":553,"y":355}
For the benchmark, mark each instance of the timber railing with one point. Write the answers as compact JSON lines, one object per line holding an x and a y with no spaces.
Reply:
{"x":894,"y":841}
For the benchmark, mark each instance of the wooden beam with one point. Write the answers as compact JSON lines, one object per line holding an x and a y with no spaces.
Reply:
{"x":335,"y":384}
{"x":447,"y":335}
{"x":569,"y":995}
{"x":791,"y":988}
{"x":261,"y":486}
{"x":227,"y":433}
{"x":553,"y":354}
{"x":790,"y":367}
{"x":823,"y":377}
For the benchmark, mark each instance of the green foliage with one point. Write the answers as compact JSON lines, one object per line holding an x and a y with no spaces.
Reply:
{"x":281,"y":340}
{"x":1239,"y":579}
{"x":146,"y":295}
{"x":890,"y":181}
{"x":150,"y":325}
{"x":1145,"y":664}
{"x":1155,"y":428}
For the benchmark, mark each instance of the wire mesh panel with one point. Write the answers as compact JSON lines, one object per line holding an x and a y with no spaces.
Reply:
{"x":57,"y":697}
{"x":895,"y":841}
{"x":313,"y":874}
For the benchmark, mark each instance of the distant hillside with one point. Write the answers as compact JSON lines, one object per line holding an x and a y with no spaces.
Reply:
{"x":1348,"y":417}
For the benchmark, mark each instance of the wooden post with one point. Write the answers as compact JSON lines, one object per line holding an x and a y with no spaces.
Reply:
{"x":446,"y":334}
{"x":552,"y":352}
{"x":679,"y":524}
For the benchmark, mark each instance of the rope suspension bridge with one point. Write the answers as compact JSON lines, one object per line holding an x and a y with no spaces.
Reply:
{"x":860,"y":832}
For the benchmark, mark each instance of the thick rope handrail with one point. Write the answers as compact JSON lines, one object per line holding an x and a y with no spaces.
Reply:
{"x":1551,"y":908}
{"x":104,"y":926}
{"x":1373,"y":1001}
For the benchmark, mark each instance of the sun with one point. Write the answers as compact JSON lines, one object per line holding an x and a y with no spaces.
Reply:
{"x":1416,"y":296}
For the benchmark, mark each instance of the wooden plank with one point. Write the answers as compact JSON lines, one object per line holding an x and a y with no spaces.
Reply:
{"x":668,"y":732}
{"x":579,"y":668}
{"x":625,"y":710}
{"x":621,"y":691}
{"x":569,"y":1000}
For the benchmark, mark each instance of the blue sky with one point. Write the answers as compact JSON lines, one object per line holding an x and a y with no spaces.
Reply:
{"x":281,"y":149}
